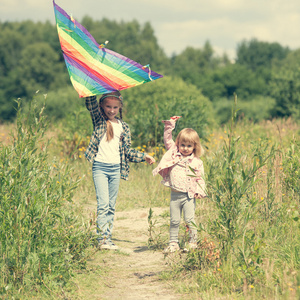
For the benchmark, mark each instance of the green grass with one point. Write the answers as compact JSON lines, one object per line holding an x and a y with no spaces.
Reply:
{"x":249,"y":226}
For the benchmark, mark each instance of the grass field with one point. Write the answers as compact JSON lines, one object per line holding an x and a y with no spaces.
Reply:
{"x":249,"y":225}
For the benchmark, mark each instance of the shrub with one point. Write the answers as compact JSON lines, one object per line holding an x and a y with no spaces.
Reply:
{"x":58,"y":104}
{"x":42,"y":240}
{"x":256,"y":110}
{"x":146,"y":106}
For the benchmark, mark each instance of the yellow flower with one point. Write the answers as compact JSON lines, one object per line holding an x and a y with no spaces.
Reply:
{"x":262,"y":198}
{"x":251,"y":286}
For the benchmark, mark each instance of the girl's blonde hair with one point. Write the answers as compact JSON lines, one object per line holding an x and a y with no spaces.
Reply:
{"x":189,"y":135}
{"x":110,"y":129}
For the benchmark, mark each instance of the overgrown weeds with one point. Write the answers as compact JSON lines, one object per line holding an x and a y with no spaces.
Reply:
{"x":42,"y":240}
{"x":252,"y":219}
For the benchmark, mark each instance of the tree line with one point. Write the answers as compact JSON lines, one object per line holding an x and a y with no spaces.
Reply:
{"x":265,"y":76}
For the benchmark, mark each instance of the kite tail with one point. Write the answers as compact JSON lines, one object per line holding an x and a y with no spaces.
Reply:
{"x":149,"y":71}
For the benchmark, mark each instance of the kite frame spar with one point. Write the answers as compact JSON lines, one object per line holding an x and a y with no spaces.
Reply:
{"x":94,"y":69}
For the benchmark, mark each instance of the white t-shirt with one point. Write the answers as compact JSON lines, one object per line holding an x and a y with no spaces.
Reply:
{"x":108,"y":152}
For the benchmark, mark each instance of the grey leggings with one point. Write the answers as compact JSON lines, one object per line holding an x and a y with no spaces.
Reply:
{"x":181,"y":202}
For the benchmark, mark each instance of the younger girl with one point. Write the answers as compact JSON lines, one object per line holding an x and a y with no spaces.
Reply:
{"x":109,"y":151}
{"x":182,"y":170}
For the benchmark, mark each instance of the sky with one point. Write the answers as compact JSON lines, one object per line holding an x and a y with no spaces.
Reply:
{"x":181,"y":23}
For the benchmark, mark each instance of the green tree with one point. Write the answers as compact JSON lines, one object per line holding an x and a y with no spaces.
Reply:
{"x":256,"y":54}
{"x":285,"y":86}
{"x":197,"y":66}
{"x":238,"y":79}
{"x":39,"y":68}
{"x":145,"y":106}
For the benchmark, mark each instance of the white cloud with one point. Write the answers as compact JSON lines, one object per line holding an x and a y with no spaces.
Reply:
{"x":179,"y":24}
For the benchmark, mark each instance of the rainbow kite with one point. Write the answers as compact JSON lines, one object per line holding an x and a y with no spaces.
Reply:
{"x":93,"y":69}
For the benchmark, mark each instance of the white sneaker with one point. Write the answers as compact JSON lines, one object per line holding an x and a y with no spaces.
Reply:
{"x":190,"y":246}
{"x":104,"y":245}
{"x":113,"y":246}
{"x":108,"y":245}
{"x":173,"y":247}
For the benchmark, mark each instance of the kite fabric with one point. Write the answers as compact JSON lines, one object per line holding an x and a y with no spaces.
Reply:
{"x":94,"y":69}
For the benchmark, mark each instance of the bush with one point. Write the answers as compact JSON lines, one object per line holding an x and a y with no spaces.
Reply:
{"x":58,"y":104}
{"x":42,"y":240}
{"x":147,"y":105}
{"x":256,"y":110}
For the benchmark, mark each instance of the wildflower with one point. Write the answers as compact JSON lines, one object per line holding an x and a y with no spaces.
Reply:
{"x":262,"y":198}
{"x":219,"y":270}
{"x":144,"y":146}
{"x":57,"y":182}
{"x":251,"y":286}
{"x":79,"y":156}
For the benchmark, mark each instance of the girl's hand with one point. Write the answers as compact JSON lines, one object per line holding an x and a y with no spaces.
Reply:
{"x":198,"y":196}
{"x":174,"y":118}
{"x":149,"y":159}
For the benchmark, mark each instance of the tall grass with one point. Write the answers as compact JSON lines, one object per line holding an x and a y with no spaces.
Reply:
{"x":249,"y":226}
{"x":249,"y":236}
{"x":42,"y":239}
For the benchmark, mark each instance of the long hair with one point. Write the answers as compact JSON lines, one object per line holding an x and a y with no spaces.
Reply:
{"x":189,"y":135}
{"x":110,"y":130}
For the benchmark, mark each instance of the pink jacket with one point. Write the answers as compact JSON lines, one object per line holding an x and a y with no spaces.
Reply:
{"x":195,"y":182}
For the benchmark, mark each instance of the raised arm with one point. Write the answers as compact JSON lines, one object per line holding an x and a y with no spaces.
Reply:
{"x":92,"y":105}
{"x":169,"y":127}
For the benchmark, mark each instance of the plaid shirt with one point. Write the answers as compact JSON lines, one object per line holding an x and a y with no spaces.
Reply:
{"x":127,"y":154}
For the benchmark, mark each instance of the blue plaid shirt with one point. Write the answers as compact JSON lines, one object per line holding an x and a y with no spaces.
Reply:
{"x":127,"y":154}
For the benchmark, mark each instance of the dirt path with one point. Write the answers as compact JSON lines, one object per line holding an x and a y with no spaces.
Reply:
{"x":133,"y":273}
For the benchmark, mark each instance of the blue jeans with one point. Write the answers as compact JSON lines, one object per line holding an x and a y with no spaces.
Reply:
{"x":180,"y":202}
{"x":106,"y":179}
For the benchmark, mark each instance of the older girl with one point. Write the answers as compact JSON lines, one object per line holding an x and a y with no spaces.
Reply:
{"x":109,"y":152}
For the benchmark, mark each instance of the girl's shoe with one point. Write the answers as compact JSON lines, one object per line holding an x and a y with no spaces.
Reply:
{"x":190,"y":246}
{"x":113,"y":246}
{"x":104,"y":245}
{"x":173,"y":247}
{"x":108,"y":245}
